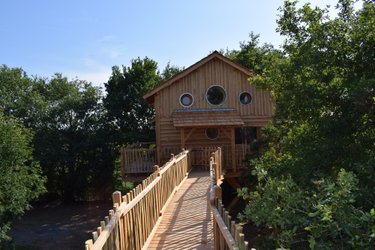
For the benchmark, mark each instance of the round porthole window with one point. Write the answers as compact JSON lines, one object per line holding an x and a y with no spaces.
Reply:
{"x":245,"y":98}
{"x":212,"y":133}
{"x":216,"y":95}
{"x":186,"y":100}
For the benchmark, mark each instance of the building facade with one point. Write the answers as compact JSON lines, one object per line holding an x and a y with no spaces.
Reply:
{"x":210,"y":104}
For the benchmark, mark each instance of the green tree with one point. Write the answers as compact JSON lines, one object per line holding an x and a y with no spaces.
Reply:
{"x":253,"y":56}
{"x":70,"y":141}
{"x":322,"y":140}
{"x":19,"y":97}
{"x":127,"y":111}
{"x":71,"y":133}
{"x":169,"y":71}
{"x":20,"y":176}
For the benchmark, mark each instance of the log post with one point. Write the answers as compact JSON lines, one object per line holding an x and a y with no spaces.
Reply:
{"x":157,"y":170}
{"x":89,"y":244}
{"x":116,"y":198}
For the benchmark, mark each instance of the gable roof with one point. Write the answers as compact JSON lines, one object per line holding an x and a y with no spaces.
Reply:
{"x":149,"y":96}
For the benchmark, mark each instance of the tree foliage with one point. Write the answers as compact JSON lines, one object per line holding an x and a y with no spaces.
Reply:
{"x":253,"y":56}
{"x":70,"y":140}
{"x":127,"y":111}
{"x":77,"y":131}
{"x":20,"y":175}
{"x":317,"y":175}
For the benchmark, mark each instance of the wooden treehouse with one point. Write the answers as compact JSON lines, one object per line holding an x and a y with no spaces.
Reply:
{"x":208,"y":105}
{"x":206,"y":118}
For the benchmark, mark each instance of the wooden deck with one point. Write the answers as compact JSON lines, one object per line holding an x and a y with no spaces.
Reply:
{"x":187,"y":221}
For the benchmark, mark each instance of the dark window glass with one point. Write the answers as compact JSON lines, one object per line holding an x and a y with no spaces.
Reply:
{"x":245,"y":98}
{"x":212,"y":133}
{"x":216,"y":95}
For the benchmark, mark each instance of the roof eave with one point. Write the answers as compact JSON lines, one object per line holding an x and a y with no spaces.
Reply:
{"x":149,"y":96}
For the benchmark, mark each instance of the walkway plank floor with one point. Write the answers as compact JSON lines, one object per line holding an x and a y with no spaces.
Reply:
{"x":187,"y":221}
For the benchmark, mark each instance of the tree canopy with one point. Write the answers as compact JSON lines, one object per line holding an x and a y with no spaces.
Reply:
{"x":127,"y":111}
{"x":20,"y":175}
{"x":253,"y":56}
{"x":70,"y":142}
{"x":316,"y":178}
{"x":71,"y":130}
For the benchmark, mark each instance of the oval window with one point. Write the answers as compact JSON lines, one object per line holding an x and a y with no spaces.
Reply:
{"x":212,"y":133}
{"x":245,"y":98}
{"x":216,"y":95}
{"x":186,"y":100}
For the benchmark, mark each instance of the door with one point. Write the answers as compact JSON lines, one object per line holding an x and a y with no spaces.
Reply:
{"x":201,"y":157}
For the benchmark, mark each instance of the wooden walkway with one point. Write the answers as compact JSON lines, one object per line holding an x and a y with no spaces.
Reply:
{"x":187,"y":221}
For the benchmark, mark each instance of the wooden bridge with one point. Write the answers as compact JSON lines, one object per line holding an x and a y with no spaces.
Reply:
{"x":174,"y":208}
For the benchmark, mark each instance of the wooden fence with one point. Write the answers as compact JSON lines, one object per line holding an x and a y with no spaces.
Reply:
{"x":137,"y":160}
{"x":134,"y":215}
{"x":227,"y":234}
{"x":142,"y":160}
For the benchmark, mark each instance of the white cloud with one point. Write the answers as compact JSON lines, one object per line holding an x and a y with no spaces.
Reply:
{"x":112,"y":52}
{"x":96,"y":76}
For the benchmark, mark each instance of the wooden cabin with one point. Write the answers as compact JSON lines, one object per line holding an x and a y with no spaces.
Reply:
{"x":210,"y":104}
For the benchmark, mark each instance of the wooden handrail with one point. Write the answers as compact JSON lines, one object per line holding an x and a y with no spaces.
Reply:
{"x":135,"y":214}
{"x":227,"y":235}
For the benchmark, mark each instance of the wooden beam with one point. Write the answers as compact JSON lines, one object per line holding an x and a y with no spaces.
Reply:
{"x":233,"y":203}
{"x":157,"y":129}
{"x":233,"y":150}
{"x":189,"y":134}
{"x":259,"y":132}
{"x":182,"y":133}
{"x":228,"y":134}
{"x":259,"y":135}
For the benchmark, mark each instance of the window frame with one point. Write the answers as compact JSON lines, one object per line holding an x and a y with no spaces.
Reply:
{"x":217,"y":136}
{"x":225,"y":94}
{"x":192,"y":99}
{"x":245,"y":92}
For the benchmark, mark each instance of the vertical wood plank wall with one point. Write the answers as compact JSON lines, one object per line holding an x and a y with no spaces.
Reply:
{"x":220,"y":73}
{"x":256,"y":114}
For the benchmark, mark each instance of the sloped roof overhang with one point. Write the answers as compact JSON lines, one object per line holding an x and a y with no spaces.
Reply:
{"x":206,"y":118}
{"x":149,"y":96}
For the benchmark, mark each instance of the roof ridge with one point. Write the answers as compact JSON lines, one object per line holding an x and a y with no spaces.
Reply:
{"x":215,"y":54}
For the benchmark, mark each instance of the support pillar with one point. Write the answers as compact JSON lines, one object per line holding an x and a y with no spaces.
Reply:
{"x":233,"y":150}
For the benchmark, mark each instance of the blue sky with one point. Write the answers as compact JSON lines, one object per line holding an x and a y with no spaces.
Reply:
{"x":84,"y":39}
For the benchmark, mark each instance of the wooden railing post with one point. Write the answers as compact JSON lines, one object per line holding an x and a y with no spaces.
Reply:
{"x":89,"y":244}
{"x":134,"y":215}
{"x":116,"y":198}
{"x":227,"y":235}
{"x":157,"y":170}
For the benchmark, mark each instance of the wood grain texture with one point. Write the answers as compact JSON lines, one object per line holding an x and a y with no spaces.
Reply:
{"x":187,"y":221}
{"x":207,"y":119}
{"x":214,"y":69}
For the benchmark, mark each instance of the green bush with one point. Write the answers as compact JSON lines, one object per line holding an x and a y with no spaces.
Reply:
{"x":120,"y":183}
{"x":20,"y":176}
{"x":316,"y":177}
{"x":324,"y":217}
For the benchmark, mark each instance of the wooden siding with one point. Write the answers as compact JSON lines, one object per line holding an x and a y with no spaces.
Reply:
{"x":207,"y":119}
{"x":216,"y":71}
{"x":170,"y":136}
{"x":219,"y":73}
